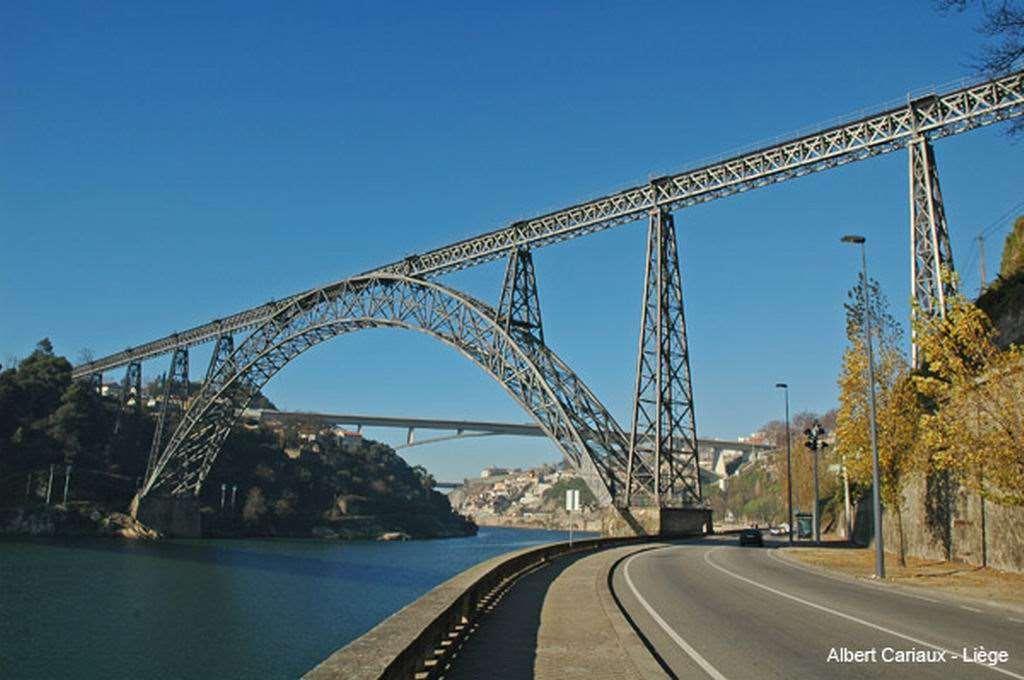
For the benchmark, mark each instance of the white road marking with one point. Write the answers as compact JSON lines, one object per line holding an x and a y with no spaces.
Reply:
{"x":970,"y":609}
{"x":683,"y":644}
{"x":1015,"y":620}
{"x":852,"y":581}
{"x":844,"y":615}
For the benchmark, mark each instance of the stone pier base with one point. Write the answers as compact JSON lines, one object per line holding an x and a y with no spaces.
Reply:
{"x":171,"y":516}
{"x":667,"y":522}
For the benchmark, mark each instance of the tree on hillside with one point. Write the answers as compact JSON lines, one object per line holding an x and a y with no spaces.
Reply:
{"x":554,"y":497}
{"x":1013,"y":251}
{"x":39,"y":381}
{"x":976,"y":428}
{"x":79,"y":426}
{"x":255,"y":506}
{"x":802,"y":459}
{"x":886,"y":331}
{"x":755,"y":494}
{"x":29,"y":394}
{"x":1003,"y":24}
{"x":897,"y":405}
{"x":9,"y":404}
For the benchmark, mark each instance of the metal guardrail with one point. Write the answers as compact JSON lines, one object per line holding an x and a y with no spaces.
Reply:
{"x":419,"y":640}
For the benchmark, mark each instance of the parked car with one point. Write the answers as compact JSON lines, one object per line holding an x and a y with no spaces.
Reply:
{"x":778,"y":531}
{"x":751,"y":537}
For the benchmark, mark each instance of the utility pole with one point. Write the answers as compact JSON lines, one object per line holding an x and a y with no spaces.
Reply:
{"x":67,"y":482}
{"x":789,"y":466}
{"x":981,"y":259}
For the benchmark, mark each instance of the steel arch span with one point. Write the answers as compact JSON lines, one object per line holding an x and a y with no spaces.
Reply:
{"x":529,"y":371}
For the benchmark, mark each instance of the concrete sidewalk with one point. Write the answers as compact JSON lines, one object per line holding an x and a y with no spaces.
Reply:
{"x":562,"y":622}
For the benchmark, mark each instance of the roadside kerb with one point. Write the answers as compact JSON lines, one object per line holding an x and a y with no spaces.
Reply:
{"x":419,"y":639}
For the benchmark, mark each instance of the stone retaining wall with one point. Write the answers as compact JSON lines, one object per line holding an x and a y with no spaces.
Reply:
{"x":664,"y":522}
{"x":176,"y":517}
{"x":943,"y":521}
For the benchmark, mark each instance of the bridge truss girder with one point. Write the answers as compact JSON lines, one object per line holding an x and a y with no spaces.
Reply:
{"x":533,"y":375}
{"x":519,"y":303}
{"x":223,"y":347}
{"x":663,"y":457}
{"x":932,"y":117}
{"x":931,"y":256}
{"x":131,"y":385}
{"x":172,"y":405}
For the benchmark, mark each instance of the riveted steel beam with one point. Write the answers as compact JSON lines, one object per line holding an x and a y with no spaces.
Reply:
{"x":663,"y":459}
{"x":131,"y":394}
{"x":519,"y":305}
{"x":930,"y":117}
{"x":172,"y":404}
{"x":533,"y":375}
{"x":931,"y":256}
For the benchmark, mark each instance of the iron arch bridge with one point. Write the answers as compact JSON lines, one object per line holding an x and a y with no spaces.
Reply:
{"x":499,"y":341}
{"x":656,"y":461}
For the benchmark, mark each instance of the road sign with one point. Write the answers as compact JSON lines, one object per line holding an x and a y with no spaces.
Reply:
{"x":572,"y":504}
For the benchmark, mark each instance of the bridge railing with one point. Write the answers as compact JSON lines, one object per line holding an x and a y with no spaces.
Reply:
{"x":419,"y":640}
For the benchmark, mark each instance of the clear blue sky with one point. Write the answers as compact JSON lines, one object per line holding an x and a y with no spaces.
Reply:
{"x":168,"y":163}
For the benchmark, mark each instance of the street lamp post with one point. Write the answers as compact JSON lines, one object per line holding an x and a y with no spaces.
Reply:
{"x":876,"y":501}
{"x":789,"y":463}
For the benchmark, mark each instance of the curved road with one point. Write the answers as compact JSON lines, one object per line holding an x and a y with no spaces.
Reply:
{"x":711,"y":609}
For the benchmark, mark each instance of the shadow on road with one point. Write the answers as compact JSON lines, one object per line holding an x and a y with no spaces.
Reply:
{"x":504,"y":645}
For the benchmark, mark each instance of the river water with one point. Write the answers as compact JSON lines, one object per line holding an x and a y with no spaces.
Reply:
{"x":94,"y":608}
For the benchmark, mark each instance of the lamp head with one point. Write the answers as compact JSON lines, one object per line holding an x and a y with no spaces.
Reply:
{"x":782,"y":385}
{"x":853,"y":238}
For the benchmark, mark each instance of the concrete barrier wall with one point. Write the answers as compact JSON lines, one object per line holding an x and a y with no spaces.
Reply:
{"x":422,"y":636}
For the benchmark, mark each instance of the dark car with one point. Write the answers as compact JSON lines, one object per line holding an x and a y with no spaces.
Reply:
{"x":751,"y":537}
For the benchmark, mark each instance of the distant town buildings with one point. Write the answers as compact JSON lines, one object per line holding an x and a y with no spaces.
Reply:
{"x":758,"y":437}
{"x":502,"y":494}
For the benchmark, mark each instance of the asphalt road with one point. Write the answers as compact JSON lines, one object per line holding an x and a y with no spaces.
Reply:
{"x":710,"y":608}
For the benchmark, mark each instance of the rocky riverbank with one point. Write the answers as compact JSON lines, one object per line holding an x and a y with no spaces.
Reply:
{"x":92,"y":519}
{"x":589,"y":520}
{"x":75,"y":519}
{"x":390,"y":526}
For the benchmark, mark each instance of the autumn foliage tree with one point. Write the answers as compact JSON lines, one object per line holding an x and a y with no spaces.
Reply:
{"x":897,"y":404}
{"x":802,"y":472}
{"x":975,"y":427}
